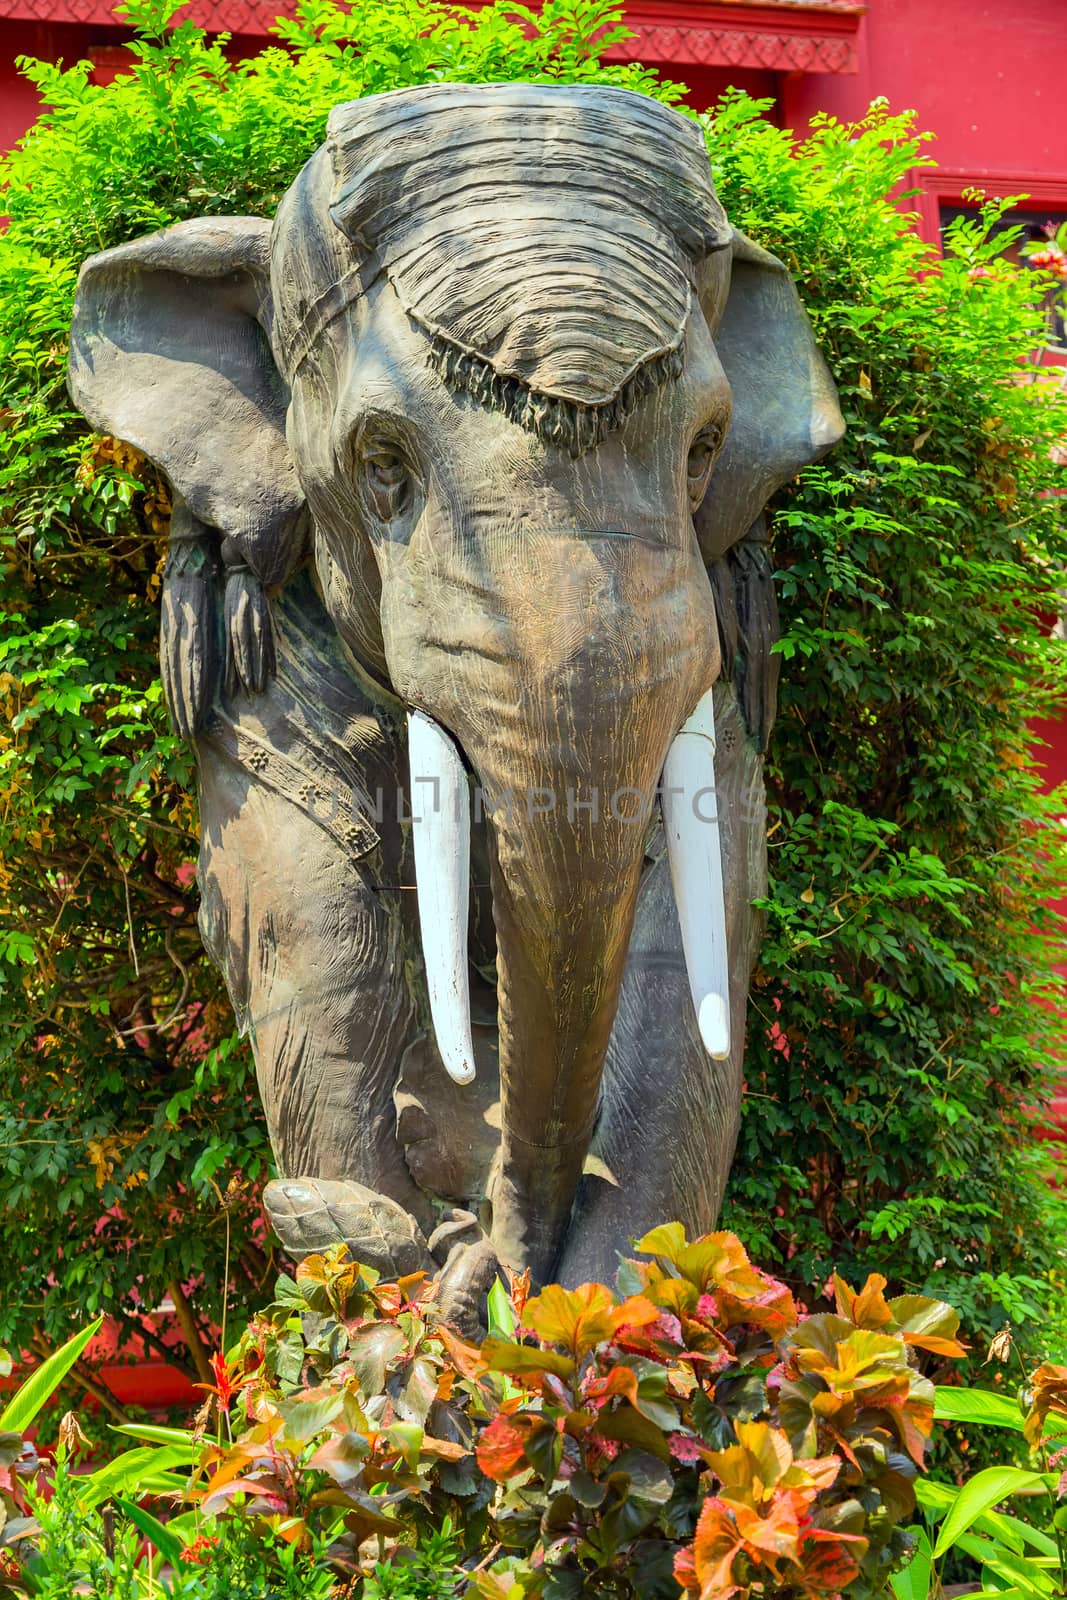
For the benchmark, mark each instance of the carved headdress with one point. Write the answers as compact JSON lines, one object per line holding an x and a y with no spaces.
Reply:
{"x":544,"y":238}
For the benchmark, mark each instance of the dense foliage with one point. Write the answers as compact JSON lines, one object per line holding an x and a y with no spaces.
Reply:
{"x":129,"y":1127}
{"x":906,"y":985}
{"x":689,"y":1431}
{"x":898,"y":1028}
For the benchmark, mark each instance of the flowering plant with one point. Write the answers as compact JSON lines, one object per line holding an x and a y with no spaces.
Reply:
{"x":690,"y":1431}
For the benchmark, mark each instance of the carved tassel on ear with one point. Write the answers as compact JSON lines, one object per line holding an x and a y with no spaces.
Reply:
{"x":188,"y":624}
{"x":250,"y":660}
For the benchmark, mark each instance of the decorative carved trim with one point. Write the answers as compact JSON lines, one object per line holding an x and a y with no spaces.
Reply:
{"x":730,"y":47}
{"x":847,"y":8}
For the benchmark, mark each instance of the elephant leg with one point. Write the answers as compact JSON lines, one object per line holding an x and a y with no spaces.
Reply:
{"x":313,"y":958}
{"x":669,"y":1115}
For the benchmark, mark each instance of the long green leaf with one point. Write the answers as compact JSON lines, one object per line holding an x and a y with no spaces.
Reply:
{"x":1027,"y":1574}
{"x":174,"y":1483}
{"x":40,"y":1386}
{"x":987,"y":1409}
{"x":936,"y":1498}
{"x":167,"y":1543}
{"x":132,"y":1469}
{"x":979,"y":1494}
{"x":501,"y":1312}
{"x":977,"y":1405}
{"x":154,"y":1434}
{"x":913,"y":1583}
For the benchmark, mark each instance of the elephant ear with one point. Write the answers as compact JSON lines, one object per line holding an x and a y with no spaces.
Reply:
{"x":785,"y":410}
{"x":170,"y":351}
{"x":785,"y":415}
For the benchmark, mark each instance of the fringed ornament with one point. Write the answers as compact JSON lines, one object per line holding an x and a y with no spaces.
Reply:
{"x":250,"y":658}
{"x":189,"y":625}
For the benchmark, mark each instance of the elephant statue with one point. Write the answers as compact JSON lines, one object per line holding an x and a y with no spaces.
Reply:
{"x":468,"y":612}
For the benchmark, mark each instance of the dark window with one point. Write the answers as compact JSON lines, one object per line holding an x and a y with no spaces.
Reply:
{"x":1038,"y":227}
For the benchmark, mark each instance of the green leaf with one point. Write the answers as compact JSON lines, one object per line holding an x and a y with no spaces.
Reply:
{"x":502,"y":1319}
{"x":154,"y":1434}
{"x":40,"y":1386}
{"x":628,"y":1426}
{"x":1033,"y":1581}
{"x":133,"y":1469}
{"x":985,"y":1490}
{"x":977,"y":1405}
{"x":167,"y":1543}
{"x":913,"y":1581}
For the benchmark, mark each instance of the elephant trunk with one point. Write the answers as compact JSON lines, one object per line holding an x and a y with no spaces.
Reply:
{"x":566,"y":705}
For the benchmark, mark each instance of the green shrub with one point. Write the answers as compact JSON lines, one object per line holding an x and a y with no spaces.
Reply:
{"x":906,"y":989}
{"x":126,"y":1106}
{"x":899,"y":1024}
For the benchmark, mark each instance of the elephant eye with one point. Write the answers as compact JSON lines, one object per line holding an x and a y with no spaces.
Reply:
{"x":387,"y":478}
{"x":384,"y":467}
{"x":702,"y":455}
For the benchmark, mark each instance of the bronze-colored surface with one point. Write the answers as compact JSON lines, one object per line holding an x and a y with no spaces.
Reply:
{"x":467,"y":432}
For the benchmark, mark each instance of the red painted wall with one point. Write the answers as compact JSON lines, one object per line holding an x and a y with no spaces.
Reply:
{"x":987,"y":79}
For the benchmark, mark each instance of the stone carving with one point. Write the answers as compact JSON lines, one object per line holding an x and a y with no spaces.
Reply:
{"x":469,"y":452}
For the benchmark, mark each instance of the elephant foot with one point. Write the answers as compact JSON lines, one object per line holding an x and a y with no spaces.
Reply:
{"x":470,"y":1267}
{"x":311,"y":1214}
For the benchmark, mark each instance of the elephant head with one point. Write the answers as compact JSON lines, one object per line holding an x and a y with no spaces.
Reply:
{"x":504,"y":367}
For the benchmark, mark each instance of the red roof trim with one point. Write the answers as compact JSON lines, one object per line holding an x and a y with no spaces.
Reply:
{"x":746,"y":33}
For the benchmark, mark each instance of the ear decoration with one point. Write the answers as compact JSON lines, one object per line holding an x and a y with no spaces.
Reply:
{"x":785,"y":415}
{"x":170,"y":352}
{"x":188,"y":622}
{"x":746,"y":608}
{"x":785,"y":410}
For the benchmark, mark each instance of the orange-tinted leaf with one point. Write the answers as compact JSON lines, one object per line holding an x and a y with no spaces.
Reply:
{"x":442,"y":1449}
{"x":749,"y":1470}
{"x":466,"y":1358}
{"x":716,"y":1546}
{"x":867,"y":1308}
{"x":773,"y":1536}
{"x":619,"y":1381}
{"x":501,"y":1451}
{"x":685,"y":1571}
{"x":768,"y":1304}
{"x":1049,"y":1384}
{"x":929,"y":1324}
{"x":636,"y":1312}
{"x":578,"y":1318}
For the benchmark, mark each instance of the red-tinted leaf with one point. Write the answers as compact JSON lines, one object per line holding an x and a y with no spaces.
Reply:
{"x":829,"y":1561}
{"x":501,"y":1451}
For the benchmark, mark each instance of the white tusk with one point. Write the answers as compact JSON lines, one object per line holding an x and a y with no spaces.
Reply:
{"x":691,"y":821}
{"x":441,"y":829}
